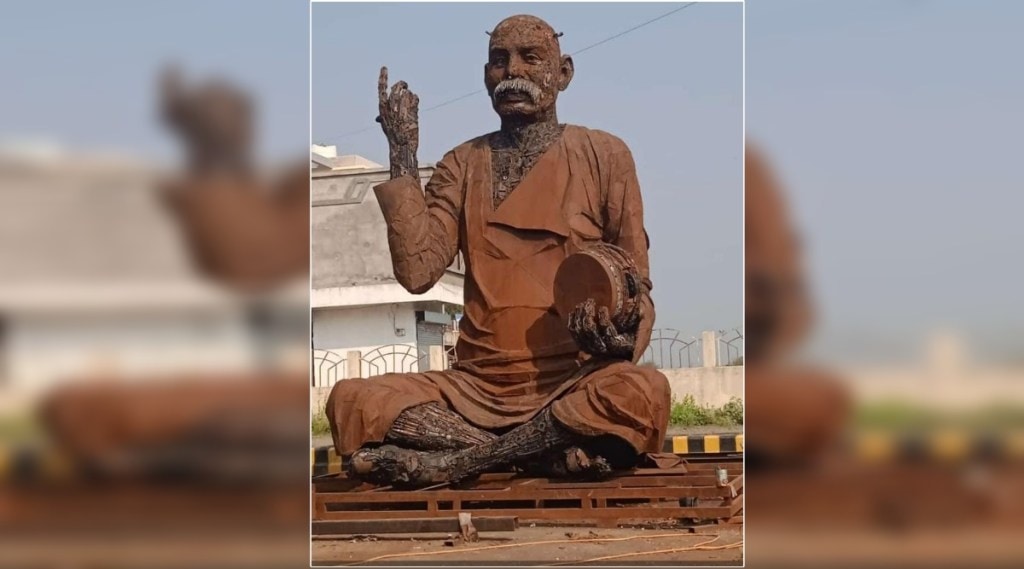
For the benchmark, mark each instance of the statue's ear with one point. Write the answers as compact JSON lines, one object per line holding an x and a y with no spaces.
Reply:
{"x":565,"y":72}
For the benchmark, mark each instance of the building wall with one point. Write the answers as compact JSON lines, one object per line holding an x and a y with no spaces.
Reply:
{"x":44,"y":350}
{"x":349,"y":235}
{"x":711,"y":386}
{"x":365,"y":329}
{"x":953,"y":390}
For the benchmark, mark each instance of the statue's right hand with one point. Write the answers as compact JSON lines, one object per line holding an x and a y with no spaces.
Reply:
{"x":399,"y":113}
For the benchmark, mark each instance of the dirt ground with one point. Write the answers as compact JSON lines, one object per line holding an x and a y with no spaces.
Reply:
{"x":805,"y":547}
{"x":565,"y":545}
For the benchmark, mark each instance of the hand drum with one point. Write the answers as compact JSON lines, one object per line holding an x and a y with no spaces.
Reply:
{"x":603,"y":272}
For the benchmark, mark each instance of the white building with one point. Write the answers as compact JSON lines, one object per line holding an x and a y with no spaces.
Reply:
{"x":96,"y":281}
{"x":356,"y":301}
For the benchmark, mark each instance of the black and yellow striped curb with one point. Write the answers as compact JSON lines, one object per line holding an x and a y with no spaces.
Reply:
{"x":940,"y":446}
{"x":324,"y":460}
{"x":704,"y":444}
{"x":23,"y":464}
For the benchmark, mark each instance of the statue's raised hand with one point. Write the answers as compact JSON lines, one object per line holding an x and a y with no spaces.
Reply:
{"x":399,"y":118}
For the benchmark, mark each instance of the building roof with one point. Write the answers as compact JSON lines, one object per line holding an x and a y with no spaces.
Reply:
{"x":325,"y":158}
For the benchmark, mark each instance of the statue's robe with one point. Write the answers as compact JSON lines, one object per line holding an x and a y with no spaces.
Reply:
{"x":515,"y":355}
{"x":795,"y":412}
{"x":778,"y":307}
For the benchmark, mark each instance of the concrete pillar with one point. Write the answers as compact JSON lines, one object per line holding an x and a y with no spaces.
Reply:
{"x":354,"y":363}
{"x":709,"y":347}
{"x":437,"y":358}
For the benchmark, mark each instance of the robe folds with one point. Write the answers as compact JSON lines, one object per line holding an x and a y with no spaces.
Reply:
{"x":515,"y":355}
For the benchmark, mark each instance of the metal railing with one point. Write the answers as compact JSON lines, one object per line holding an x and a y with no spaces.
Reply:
{"x":328,"y":368}
{"x":394,"y":358}
{"x":730,"y":347}
{"x":670,"y":350}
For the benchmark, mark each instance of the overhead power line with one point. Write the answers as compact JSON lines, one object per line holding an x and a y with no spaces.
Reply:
{"x":575,"y":53}
{"x":634,"y":28}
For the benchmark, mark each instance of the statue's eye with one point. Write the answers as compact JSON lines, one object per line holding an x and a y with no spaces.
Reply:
{"x":532,"y":58}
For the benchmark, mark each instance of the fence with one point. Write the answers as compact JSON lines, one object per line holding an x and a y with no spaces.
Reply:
{"x":329,"y":366}
{"x":671,"y":350}
{"x":393,"y":358}
{"x":730,"y":347}
{"x":668,"y":349}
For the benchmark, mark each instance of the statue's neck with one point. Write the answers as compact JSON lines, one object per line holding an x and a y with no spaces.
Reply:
{"x":523,"y":130}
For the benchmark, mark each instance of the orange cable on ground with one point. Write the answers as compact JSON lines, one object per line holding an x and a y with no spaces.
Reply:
{"x":697,"y":547}
{"x":506,"y":545}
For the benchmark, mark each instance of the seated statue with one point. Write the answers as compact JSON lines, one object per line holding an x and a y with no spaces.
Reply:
{"x":799,"y":411}
{"x":531,"y":386}
{"x":242,"y":230}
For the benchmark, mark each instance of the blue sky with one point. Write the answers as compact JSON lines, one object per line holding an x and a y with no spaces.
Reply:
{"x":896,"y":126}
{"x":672,"y":90}
{"x":83,"y":74}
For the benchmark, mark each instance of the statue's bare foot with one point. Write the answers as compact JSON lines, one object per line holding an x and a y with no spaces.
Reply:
{"x":577,"y":461}
{"x":550,"y":464}
{"x":392,"y":465}
{"x":572,"y":462}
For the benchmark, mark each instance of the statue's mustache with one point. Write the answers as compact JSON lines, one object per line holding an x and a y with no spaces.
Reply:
{"x":519,"y":85}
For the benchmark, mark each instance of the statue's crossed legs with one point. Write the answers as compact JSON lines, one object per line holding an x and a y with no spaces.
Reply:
{"x":604,"y":421}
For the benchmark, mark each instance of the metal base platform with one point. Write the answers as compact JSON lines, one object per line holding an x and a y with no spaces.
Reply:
{"x":685,"y":493}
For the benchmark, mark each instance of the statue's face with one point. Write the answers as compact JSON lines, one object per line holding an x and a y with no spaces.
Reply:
{"x":525,"y":69}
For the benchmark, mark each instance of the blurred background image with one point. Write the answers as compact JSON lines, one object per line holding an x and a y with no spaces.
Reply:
{"x":154,"y":282}
{"x":154,"y":287}
{"x":885,"y":417}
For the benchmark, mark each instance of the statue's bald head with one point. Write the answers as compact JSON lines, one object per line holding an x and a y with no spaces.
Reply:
{"x":524,"y":26}
{"x":525,"y":68}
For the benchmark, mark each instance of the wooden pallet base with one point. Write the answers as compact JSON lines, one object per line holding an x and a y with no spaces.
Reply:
{"x":413,"y":525}
{"x":642,"y":494}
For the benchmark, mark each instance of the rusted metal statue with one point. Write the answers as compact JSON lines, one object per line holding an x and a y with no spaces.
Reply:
{"x":243,"y":235}
{"x":795,"y":413}
{"x":532,"y":387}
{"x":242,"y":231}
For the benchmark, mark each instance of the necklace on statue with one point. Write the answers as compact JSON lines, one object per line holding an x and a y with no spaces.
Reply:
{"x":512,"y":160}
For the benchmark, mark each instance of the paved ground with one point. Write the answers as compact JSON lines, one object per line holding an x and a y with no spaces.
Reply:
{"x":567,"y":545}
{"x":799,"y":548}
{"x":113,"y":550}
